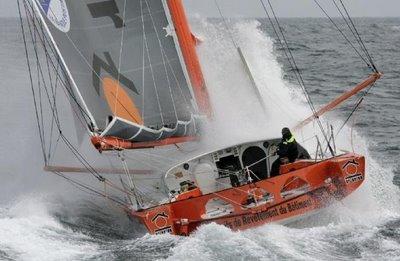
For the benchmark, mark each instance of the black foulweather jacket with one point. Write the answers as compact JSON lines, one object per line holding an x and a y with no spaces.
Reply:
{"x":288,"y":149}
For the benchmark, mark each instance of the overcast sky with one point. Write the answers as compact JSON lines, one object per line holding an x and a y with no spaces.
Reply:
{"x":295,"y":8}
{"x":285,"y":8}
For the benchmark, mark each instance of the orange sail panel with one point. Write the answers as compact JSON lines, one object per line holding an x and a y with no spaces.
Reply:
{"x":188,"y":47}
{"x":119,"y":101}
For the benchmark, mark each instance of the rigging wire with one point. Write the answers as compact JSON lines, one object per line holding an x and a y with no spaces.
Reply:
{"x":55,"y":114}
{"x":359,"y":37}
{"x":150,"y":65}
{"x":143,"y":58}
{"x":120,"y":57}
{"x":139,"y":201}
{"x":280,"y":43}
{"x":54,"y":92}
{"x":31,"y":80}
{"x":226,"y":24}
{"x":296,"y":70}
{"x":164,"y":59}
{"x":83,"y":111}
{"x":351,"y":25}
{"x":236,"y":45}
{"x":34,"y":24}
{"x":85,"y":163}
{"x":355,"y":108}
{"x":368,"y":63}
{"x":90,"y":190}
{"x":30,"y":14}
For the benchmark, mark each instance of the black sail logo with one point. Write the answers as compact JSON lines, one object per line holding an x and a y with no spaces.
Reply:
{"x":108,"y":9}
{"x":110,"y":67}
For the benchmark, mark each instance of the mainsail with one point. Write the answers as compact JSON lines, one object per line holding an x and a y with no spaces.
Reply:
{"x":124,"y":65}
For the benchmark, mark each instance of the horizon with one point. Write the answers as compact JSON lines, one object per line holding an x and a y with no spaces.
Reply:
{"x":253,"y":9}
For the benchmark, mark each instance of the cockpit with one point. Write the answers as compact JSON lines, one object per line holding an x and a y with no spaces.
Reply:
{"x":223,"y":169}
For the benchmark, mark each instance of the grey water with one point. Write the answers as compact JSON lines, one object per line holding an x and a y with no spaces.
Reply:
{"x":41,"y":217}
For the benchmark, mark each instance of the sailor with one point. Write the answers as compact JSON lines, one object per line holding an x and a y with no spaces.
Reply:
{"x":287,"y":151}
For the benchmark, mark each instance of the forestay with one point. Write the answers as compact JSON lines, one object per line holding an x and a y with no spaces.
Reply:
{"x":124,"y":64}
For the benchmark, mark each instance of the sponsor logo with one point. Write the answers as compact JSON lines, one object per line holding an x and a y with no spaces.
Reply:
{"x":57,"y":12}
{"x":354,"y":178}
{"x":351,"y":167}
{"x":166,"y":230}
{"x":160,"y":220}
{"x":291,"y":208}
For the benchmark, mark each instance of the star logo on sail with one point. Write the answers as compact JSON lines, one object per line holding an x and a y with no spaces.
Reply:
{"x":57,"y":12}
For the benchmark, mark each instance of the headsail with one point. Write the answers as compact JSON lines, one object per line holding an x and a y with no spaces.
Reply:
{"x":125,"y":66}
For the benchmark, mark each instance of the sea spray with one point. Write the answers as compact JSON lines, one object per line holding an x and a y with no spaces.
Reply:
{"x":31,"y":232}
{"x":347,"y":229}
{"x":239,"y":117}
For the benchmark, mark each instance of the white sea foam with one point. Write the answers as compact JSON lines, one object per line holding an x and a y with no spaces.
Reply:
{"x":29,"y":232}
{"x":238,"y":115}
{"x":395,"y":28}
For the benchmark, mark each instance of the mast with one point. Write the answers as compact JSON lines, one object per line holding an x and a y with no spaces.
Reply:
{"x":187,"y":43}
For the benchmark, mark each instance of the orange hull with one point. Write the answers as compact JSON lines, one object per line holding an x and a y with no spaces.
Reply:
{"x":302,"y":187}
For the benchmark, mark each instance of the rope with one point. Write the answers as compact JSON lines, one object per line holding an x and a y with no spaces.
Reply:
{"x":226,"y":24}
{"x":349,"y":25}
{"x":359,"y":37}
{"x":31,"y":81}
{"x":88,"y":189}
{"x":163,"y":56}
{"x":46,"y":42}
{"x":341,"y":32}
{"x":295,"y":68}
{"x":143,"y":58}
{"x":83,"y":110}
{"x":132,"y":184}
{"x":37,"y":34}
{"x":151,"y":66}
{"x":120,"y":57}
{"x":355,"y":108}
{"x":353,"y":111}
{"x":40,"y":74}
{"x":54,"y":92}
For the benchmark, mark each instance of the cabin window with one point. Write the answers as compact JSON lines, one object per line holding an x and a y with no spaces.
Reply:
{"x":227,"y":165}
{"x":256,"y":158}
